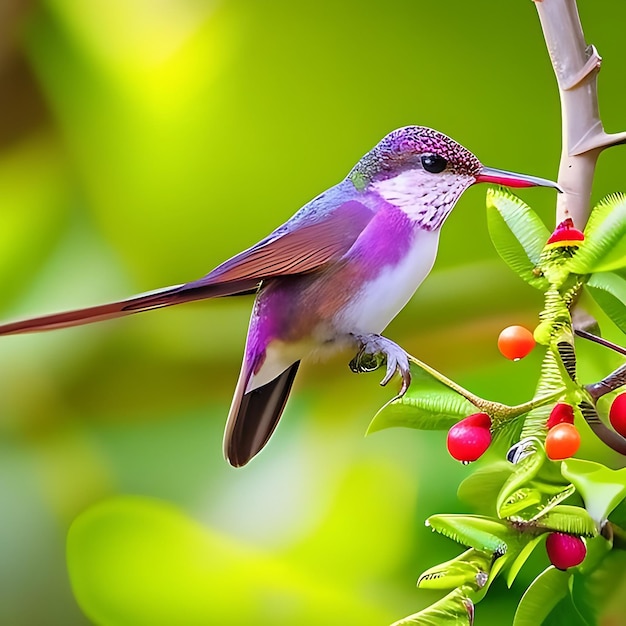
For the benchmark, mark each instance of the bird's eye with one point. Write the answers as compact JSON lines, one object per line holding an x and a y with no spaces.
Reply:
{"x":433,"y":163}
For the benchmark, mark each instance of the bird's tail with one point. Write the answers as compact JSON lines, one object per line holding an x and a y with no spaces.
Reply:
{"x":167,"y":296}
{"x":254,"y":414}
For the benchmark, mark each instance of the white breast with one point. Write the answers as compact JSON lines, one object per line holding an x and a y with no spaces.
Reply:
{"x":381,"y":299}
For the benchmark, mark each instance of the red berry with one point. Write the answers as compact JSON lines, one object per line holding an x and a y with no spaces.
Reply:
{"x":565,"y":234}
{"x":565,"y":551}
{"x":469,"y":438}
{"x":515,"y":342}
{"x":562,"y":441}
{"x":560,"y":413}
{"x":617,"y":414}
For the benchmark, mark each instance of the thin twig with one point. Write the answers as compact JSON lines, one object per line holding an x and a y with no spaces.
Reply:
{"x":603,"y":342}
{"x":495,"y":409}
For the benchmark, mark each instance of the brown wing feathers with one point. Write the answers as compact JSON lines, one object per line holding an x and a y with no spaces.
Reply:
{"x":301,"y":250}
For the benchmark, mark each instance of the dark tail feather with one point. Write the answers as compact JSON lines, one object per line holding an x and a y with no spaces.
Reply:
{"x":143,"y":302}
{"x":254,"y":416}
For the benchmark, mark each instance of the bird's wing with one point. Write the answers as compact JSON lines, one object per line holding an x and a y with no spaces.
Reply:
{"x":308,"y":244}
{"x":306,"y":247}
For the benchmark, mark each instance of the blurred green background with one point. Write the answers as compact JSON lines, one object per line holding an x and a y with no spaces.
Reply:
{"x":142,"y":143}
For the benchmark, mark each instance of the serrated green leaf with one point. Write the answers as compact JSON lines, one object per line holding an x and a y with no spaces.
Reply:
{"x":535,"y":500}
{"x":565,"y":518}
{"x":521,"y":500}
{"x":608,"y":289}
{"x":541,"y":597}
{"x":517,"y":234}
{"x":554,"y":498}
{"x":496,"y":567}
{"x":524,"y":471}
{"x":601,"y":488}
{"x":521,"y":558}
{"x":452,"y":610}
{"x":427,"y":405}
{"x":470,"y":568}
{"x":604,"y":247}
{"x":475,"y":531}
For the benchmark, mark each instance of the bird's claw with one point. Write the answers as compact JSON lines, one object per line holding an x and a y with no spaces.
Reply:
{"x":366,"y":362}
{"x":374,"y":351}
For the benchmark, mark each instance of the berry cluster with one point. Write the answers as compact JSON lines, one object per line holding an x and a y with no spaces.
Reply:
{"x":469,"y":438}
{"x":563,"y":438}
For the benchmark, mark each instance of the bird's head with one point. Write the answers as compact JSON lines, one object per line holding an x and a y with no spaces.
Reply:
{"x":425,"y":172}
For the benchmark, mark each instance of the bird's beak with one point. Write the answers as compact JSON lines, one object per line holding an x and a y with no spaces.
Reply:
{"x":511,"y":179}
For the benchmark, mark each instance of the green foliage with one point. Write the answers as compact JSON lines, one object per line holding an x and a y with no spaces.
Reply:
{"x":475,"y":531}
{"x":604,"y":248}
{"x":481,"y":488}
{"x":455,"y":609}
{"x":129,"y":130}
{"x":530,"y":495}
{"x":541,"y":597}
{"x":601,"y":488}
{"x":517,"y":233}
{"x":608,"y":289}
{"x":467,"y":568}
{"x":427,"y":405}
{"x":590,"y":591}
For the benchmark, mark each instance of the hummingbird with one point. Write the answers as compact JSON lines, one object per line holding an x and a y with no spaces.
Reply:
{"x":330,"y":278}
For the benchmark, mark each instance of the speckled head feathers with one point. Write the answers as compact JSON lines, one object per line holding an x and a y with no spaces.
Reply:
{"x":402,"y":149}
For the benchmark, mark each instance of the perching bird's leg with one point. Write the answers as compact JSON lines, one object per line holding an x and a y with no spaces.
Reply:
{"x":374,"y":351}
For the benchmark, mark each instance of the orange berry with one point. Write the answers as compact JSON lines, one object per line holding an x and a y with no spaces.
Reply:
{"x":515,"y":342}
{"x":562,"y":441}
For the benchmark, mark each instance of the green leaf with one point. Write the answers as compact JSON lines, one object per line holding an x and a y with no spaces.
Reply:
{"x":608,"y":289}
{"x":475,"y":531}
{"x":481,"y":488}
{"x":470,"y":568}
{"x":427,"y":405}
{"x":521,"y":500}
{"x":541,"y":597}
{"x":565,"y":614}
{"x":454,"y":609}
{"x":517,"y":234}
{"x":618,"y":515}
{"x":534,"y":501}
{"x":604,"y":247}
{"x":565,"y":518}
{"x":598,"y":548}
{"x":524,"y":472}
{"x":601,"y":488}
{"x":592,"y":592}
{"x":555,"y":498}
{"x":521,"y":558}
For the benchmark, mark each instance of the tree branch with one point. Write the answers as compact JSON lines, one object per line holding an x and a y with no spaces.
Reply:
{"x":576,"y":67}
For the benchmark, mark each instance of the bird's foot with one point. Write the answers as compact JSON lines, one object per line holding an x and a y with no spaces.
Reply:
{"x":374,"y":351}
